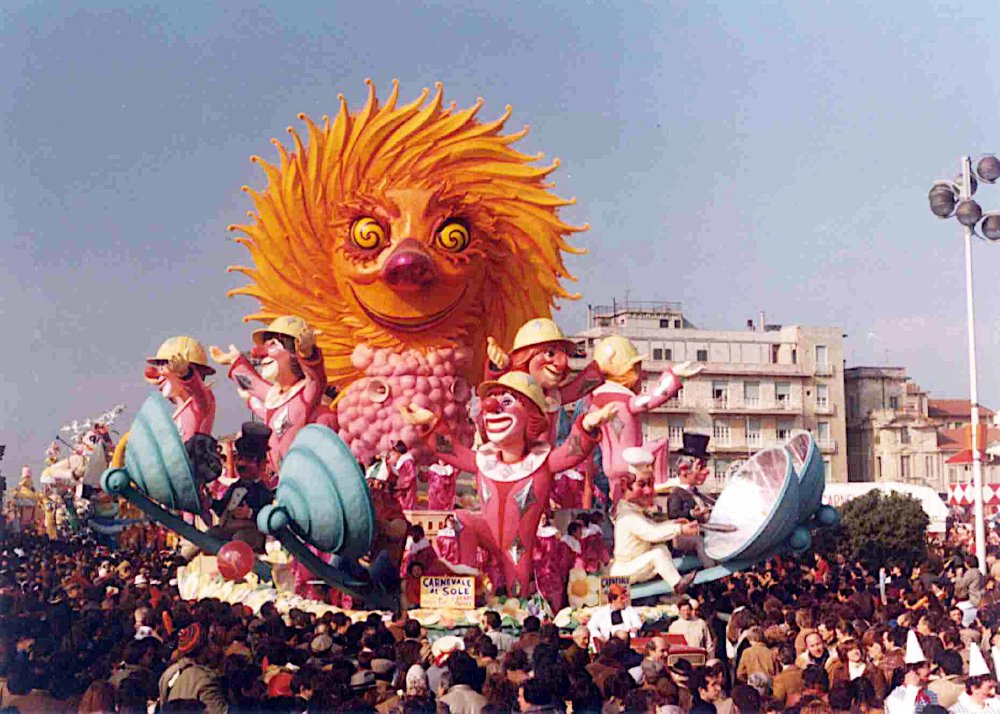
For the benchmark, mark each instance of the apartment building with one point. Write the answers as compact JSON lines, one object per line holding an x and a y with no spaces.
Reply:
{"x":897,"y":432}
{"x":759,"y":383}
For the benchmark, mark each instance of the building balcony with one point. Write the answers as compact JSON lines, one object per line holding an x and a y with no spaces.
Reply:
{"x":824,"y":406}
{"x":754,"y":405}
{"x":827,"y":446}
{"x":823,"y":370}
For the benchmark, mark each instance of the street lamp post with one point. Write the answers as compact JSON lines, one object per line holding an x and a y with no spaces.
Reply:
{"x":949,"y":198}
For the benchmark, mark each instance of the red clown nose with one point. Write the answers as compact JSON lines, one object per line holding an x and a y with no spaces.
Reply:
{"x":491,"y":404}
{"x":258,"y":352}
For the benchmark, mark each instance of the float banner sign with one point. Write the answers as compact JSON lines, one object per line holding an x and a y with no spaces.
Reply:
{"x":448,"y":591}
{"x":619,"y":580}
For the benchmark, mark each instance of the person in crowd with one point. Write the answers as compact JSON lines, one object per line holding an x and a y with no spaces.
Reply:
{"x":695,"y":630}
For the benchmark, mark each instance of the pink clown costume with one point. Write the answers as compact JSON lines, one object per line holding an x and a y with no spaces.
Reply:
{"x":550,"y":564}
{"x":625,"y":429}
{"x":514,"y":492}
{"x":405,"y":470}
{"x":442,"y":479}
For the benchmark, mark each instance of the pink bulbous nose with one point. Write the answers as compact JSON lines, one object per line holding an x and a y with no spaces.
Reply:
{"x":409,"y":267}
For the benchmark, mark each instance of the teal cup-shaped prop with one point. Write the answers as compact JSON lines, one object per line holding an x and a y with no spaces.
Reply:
{"x":323,"y":501}
{"x":808,"y":465}
{"x":158,"y":476}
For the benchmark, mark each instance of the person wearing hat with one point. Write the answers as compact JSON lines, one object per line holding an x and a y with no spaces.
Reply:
{"x":543,"y":351}
{"x":188,"y":677}
{"x":980,"y":688}
{"x":288,"y":391}
{"x":640,"y":551}
{"x":178,"y":371}
{"x":687,"y":501}
{"x":912,"y":696}
{"x":238,"y":508}
{"x":621,"y":366}
{"x":514,"y":469}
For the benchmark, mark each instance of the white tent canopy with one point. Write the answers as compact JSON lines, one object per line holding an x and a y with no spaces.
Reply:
{"x":837,"y":494}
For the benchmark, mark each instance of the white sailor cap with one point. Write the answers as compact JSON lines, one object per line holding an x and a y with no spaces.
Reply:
{"x":637,"y":456}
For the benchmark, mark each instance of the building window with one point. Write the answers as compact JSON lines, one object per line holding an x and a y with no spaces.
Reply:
{"x":702,"y":355}
{"x":720,"y":393}
{"x":677,"y":324}
{"x":675,"y":431}
{"x":784,"y":429}
{"x":774,"y":353}
{"x":783,"y":393}
{"x":657,"y":353}
{"x":795,"y":356}
{"x":751,"y":393}
{"x":929,"y":466}
{"x":822,"y":359}
{"x":894,"y":402}
{"x":753,"y":432}
{"x":664,"y":323}
{"x":904,"y":436}
{"x":904,"y":467}
{"x":668,"y":355}
{"x":823,"y":432}
{"x":720,"y":433}
{"x":826,"y":470}
{"x":720,"y":468}
{"x":822,"y":396}
{"x":878,"y":468}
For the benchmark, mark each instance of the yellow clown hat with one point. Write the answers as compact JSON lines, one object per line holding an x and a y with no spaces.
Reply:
{"x":187,"y":347}
{"x":291,"y":325}
{"x":616,"y":355}
{"x":520,"y":382}
{"x":540,"y":331}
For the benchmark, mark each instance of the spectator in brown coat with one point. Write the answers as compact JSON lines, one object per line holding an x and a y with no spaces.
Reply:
{"x":758,"y":657}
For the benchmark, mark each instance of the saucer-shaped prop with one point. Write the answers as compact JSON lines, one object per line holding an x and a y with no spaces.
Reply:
{"x":754,"y":518}
{"x":323,"y":501}
{"x":158,"y":476}
{"x":808,"y":465}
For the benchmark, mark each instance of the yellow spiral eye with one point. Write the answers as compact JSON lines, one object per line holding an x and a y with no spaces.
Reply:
{"x":453,"y":237}
{"x":367,"y":233}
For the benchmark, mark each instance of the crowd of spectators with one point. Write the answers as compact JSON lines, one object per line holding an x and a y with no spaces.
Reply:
{"x":89,"y":629}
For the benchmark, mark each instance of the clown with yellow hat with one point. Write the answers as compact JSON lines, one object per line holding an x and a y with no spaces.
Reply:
{"x":178,"y":370}
{"x":514,"y":469}
{"x":543,"y":351}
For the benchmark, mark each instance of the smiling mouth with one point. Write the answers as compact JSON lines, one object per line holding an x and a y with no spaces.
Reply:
{"x":497,"y":424}
{"x":411,"y":324}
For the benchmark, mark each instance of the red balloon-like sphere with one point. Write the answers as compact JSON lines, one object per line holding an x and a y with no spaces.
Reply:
{"x":235,"y":559}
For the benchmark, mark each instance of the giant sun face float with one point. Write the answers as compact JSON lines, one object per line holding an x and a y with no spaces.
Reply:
{"x":405,"y":235}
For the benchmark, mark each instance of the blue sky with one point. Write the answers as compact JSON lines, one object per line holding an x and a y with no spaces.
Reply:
{"x":736,"y":157}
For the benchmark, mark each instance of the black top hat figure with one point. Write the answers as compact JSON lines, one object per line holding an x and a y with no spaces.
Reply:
{"x":695,"y":445}
{"x":252,"y":442}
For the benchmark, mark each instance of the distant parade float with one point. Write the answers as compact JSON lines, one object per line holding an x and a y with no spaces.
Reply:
{"x":406,"y":261}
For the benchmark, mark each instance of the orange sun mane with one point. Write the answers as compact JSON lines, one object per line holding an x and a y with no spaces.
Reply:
{"x":300,"y":220}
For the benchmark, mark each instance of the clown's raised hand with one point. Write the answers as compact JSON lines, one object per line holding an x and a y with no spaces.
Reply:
{"x":496,"y":354}
{"x":415,"y":415}
{"x":224,"y":357}
{"x":684,"y":370}
{"x":179,"y":365}
{"x":596,"y":418}
{"x":305,"y":343}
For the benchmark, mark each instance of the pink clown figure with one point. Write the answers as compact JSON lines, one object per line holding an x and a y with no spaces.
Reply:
{"x":441,"y":481}
{"x":621,"y":364}
{"x":404,"y":467}
{"x":288,"y":391}
{"x":572,"y":548}
{"x":178,"y":370}
{"x":543,"y":351}
{"x":549,"y":561}
{"x":514,"y":470}
{"x":567,"y":491}
{"x":445,"y":543}
{"x":419,"y":550}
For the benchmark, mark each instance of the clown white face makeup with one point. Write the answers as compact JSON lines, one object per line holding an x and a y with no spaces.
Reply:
{"x":549,"y":367}
{"x":276,"y":365}
{"x":167,"y":382}
{"x":503,"y":416}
